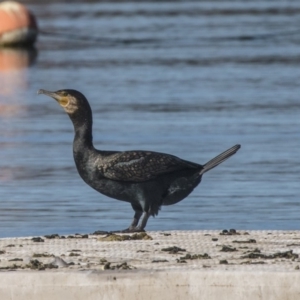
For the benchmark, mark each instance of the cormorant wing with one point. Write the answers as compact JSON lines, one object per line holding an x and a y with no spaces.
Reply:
{"x":141,"y":165}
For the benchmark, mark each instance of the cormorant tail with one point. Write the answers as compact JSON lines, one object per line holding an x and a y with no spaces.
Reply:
{"x":219,"y":159}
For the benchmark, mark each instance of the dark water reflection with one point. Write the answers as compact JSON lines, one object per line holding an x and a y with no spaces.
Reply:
{"x":190,"y":78}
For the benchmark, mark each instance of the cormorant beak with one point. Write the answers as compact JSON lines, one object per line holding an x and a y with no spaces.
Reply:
{"x":62,"y":100}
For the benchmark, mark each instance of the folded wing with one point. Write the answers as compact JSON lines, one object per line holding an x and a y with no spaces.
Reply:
{"x":140,"y":166}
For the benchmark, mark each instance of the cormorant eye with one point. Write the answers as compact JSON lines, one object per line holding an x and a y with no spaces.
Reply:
{"x":64,"y":94}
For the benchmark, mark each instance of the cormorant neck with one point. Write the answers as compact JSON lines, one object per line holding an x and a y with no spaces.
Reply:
{"x":83,"y":136}
{"x":83,"y":132}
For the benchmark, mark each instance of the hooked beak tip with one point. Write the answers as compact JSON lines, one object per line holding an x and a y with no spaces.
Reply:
{"x":40,"y":91}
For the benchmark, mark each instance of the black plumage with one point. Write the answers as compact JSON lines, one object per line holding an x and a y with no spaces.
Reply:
{"x":146,"y":179}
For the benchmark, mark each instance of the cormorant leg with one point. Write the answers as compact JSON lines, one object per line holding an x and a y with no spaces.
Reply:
{"x":133,"y":226}
{"x":136,"y":219}
{"x":144,"y":222}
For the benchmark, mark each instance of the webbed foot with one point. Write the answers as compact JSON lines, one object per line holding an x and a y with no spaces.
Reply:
{"x":129,"y":230}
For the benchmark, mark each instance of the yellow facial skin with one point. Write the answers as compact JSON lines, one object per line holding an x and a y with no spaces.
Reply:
{"x":65,"y":100}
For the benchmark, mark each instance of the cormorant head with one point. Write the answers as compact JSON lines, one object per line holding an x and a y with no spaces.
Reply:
{"x":70,"y":100}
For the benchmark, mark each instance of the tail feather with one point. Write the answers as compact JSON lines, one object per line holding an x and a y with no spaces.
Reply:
{"x":219,"y":159}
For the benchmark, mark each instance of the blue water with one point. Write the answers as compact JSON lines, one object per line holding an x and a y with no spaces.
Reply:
{"x":190,"y":78}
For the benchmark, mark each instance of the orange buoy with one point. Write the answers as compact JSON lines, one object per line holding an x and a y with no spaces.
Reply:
{"x":17,"y":24}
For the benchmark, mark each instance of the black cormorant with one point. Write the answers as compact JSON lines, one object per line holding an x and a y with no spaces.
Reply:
{"x":145,"y":179}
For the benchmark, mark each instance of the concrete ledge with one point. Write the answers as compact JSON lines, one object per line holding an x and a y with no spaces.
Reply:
{"x":172,"y":265}
{"x":150,"y":285}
